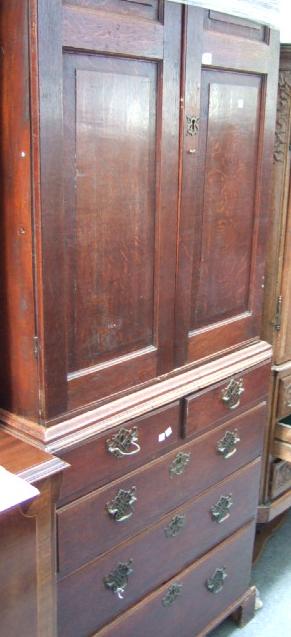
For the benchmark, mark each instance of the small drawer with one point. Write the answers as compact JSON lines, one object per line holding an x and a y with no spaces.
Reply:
{"x":284,"y":397}
{"x":89,"y":527}
{"x":220,"y":402}
{"x":119,"y":451}
{"x":187,"y":603}
{"x":281,"y":478}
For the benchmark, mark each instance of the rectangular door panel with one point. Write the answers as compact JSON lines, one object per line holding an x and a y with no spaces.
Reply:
{"x":228,"y":151}
{"x":111,"y":224}
{"x":149,"y":9}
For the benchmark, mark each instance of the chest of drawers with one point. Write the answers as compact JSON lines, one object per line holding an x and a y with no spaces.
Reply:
{"x":180,"y":482}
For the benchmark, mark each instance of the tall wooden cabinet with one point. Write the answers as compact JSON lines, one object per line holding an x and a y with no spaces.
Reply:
{"x":277,"y":309}
{"x":136,"y":163}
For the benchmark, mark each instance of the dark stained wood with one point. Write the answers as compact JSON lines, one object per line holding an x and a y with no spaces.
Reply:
{"x":18,"y":586}
{"x":28,"y":549}
{"x":205,"y":408}
{"x":85,"y":529}
{"x":223,"y":217}
{"x":246,"y":610}
{"x":196,"y":606}
{"x":232,"y":25}
{"x":18,"y":376}
{"x":49,"y":217}
{"x":120,"y":253}
{"x":104,"y":33}
{"x":150,"y":9}
{"x":156,"y":558}
{"x":91,"y":465}
{"x":109,"y":217}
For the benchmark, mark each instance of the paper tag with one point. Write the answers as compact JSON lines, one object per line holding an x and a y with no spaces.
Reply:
{"x":165,"y":434}
{"x":240,"y":103}
{"x":14,"y":490}
{"x":207,"y":58}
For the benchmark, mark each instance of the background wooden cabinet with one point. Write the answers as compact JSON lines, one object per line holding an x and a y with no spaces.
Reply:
{"x":277,"y":309}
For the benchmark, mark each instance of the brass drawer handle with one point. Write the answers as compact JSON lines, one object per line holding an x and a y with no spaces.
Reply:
{"x":232,"y":393}
{"x":124,"y":443}
{"x":175,"y":526}
{"x":220,"y":511}
{"x":121,"y":508}
{"x":173,"y":592}
{"x":215,"y":583}
{"x":117,"y":580}
{"x":179,"y":464}
{"x":227,"y":445}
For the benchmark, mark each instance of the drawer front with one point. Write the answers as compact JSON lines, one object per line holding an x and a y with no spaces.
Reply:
{"x":165,"y":549}
{"x":203,"y":409}
{"x":119,"y":451}
{"x":284,"y":397}
{"x":281,"y":478}
{"x":185,"y":604}
{"x":86,"y":529}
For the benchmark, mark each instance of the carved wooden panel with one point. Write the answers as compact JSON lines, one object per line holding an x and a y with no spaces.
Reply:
{"x":280,"y":478}
{"x":283,"y":116}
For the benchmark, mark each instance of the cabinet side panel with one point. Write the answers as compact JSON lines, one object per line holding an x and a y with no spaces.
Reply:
{"x":18,"y":379}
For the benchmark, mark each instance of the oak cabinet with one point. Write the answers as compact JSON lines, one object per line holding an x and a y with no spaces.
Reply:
{"x":139,"y":136}
{"x":149,"y":189}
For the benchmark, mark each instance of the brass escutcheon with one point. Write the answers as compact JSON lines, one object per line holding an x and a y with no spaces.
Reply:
{"x":180,"y":462}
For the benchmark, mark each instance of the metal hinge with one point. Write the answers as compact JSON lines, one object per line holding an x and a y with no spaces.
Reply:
{"x":278,"y":315}
{"x":36,"y":346}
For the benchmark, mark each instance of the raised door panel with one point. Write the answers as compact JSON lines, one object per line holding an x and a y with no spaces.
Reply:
{"x":110,"y":166}
{"x":224,"y":202}
{"x":150,"y":9}
{"x":120,"y":94}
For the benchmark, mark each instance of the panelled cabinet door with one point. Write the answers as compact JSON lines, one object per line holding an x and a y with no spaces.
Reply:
{"x":121,"y":89}
{"x":229,"y":118}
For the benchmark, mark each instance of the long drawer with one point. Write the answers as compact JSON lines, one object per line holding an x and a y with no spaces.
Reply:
{"x":219,"y":403}
{"x":87,"y":528}
{"x":181,"y":607}
{"x":156,"y":555}
{"x":119,"y":451}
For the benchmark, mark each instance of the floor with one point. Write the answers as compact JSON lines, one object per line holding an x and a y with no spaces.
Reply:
{"x":272,"y":576}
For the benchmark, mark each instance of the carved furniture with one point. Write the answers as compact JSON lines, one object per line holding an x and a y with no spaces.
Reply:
{"x":276,"y":495}
{"x":139,"y":136}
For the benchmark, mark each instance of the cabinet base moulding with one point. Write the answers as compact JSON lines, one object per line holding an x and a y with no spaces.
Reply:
{"x":77,"y":428}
